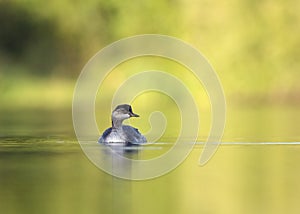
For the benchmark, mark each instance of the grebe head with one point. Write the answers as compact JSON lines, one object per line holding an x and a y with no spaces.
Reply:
{"x":121,"y":113}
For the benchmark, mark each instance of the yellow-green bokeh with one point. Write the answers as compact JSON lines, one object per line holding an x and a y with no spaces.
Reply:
{"x":253,"y":47}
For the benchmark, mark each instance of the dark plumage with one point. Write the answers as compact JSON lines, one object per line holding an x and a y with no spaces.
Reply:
{"x":119,"y":133}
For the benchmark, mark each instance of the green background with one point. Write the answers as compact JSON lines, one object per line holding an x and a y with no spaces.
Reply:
{"x":254,"y":47}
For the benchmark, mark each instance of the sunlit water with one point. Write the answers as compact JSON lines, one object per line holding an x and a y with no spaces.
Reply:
{"x":42,"y":172}
{"x":52,"y":175}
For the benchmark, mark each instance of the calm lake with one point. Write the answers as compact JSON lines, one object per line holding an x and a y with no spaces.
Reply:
{"x":44,"y":170}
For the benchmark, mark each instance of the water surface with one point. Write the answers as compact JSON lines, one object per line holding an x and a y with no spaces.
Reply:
{"x":43,"y":170}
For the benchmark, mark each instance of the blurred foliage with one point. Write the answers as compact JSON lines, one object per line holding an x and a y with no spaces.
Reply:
{"x":58,"y":37}
{"x":254,"y":47}
{"x":252,"y":44}
{"x":30,"y":42}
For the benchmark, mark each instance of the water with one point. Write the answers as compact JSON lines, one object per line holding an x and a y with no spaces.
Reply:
{"x":45,"y":173}
{"x":52,"y":175}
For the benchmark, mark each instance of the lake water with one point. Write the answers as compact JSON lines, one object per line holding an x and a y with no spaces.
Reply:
{"x":43,"y":170}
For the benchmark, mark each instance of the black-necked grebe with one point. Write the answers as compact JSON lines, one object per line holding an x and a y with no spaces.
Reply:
{"x":119,"y":133}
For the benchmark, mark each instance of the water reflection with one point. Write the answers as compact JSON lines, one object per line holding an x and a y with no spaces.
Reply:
{"x":52,"y":175}
{"x":122,"y":161}
{"x":116,"y":156}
